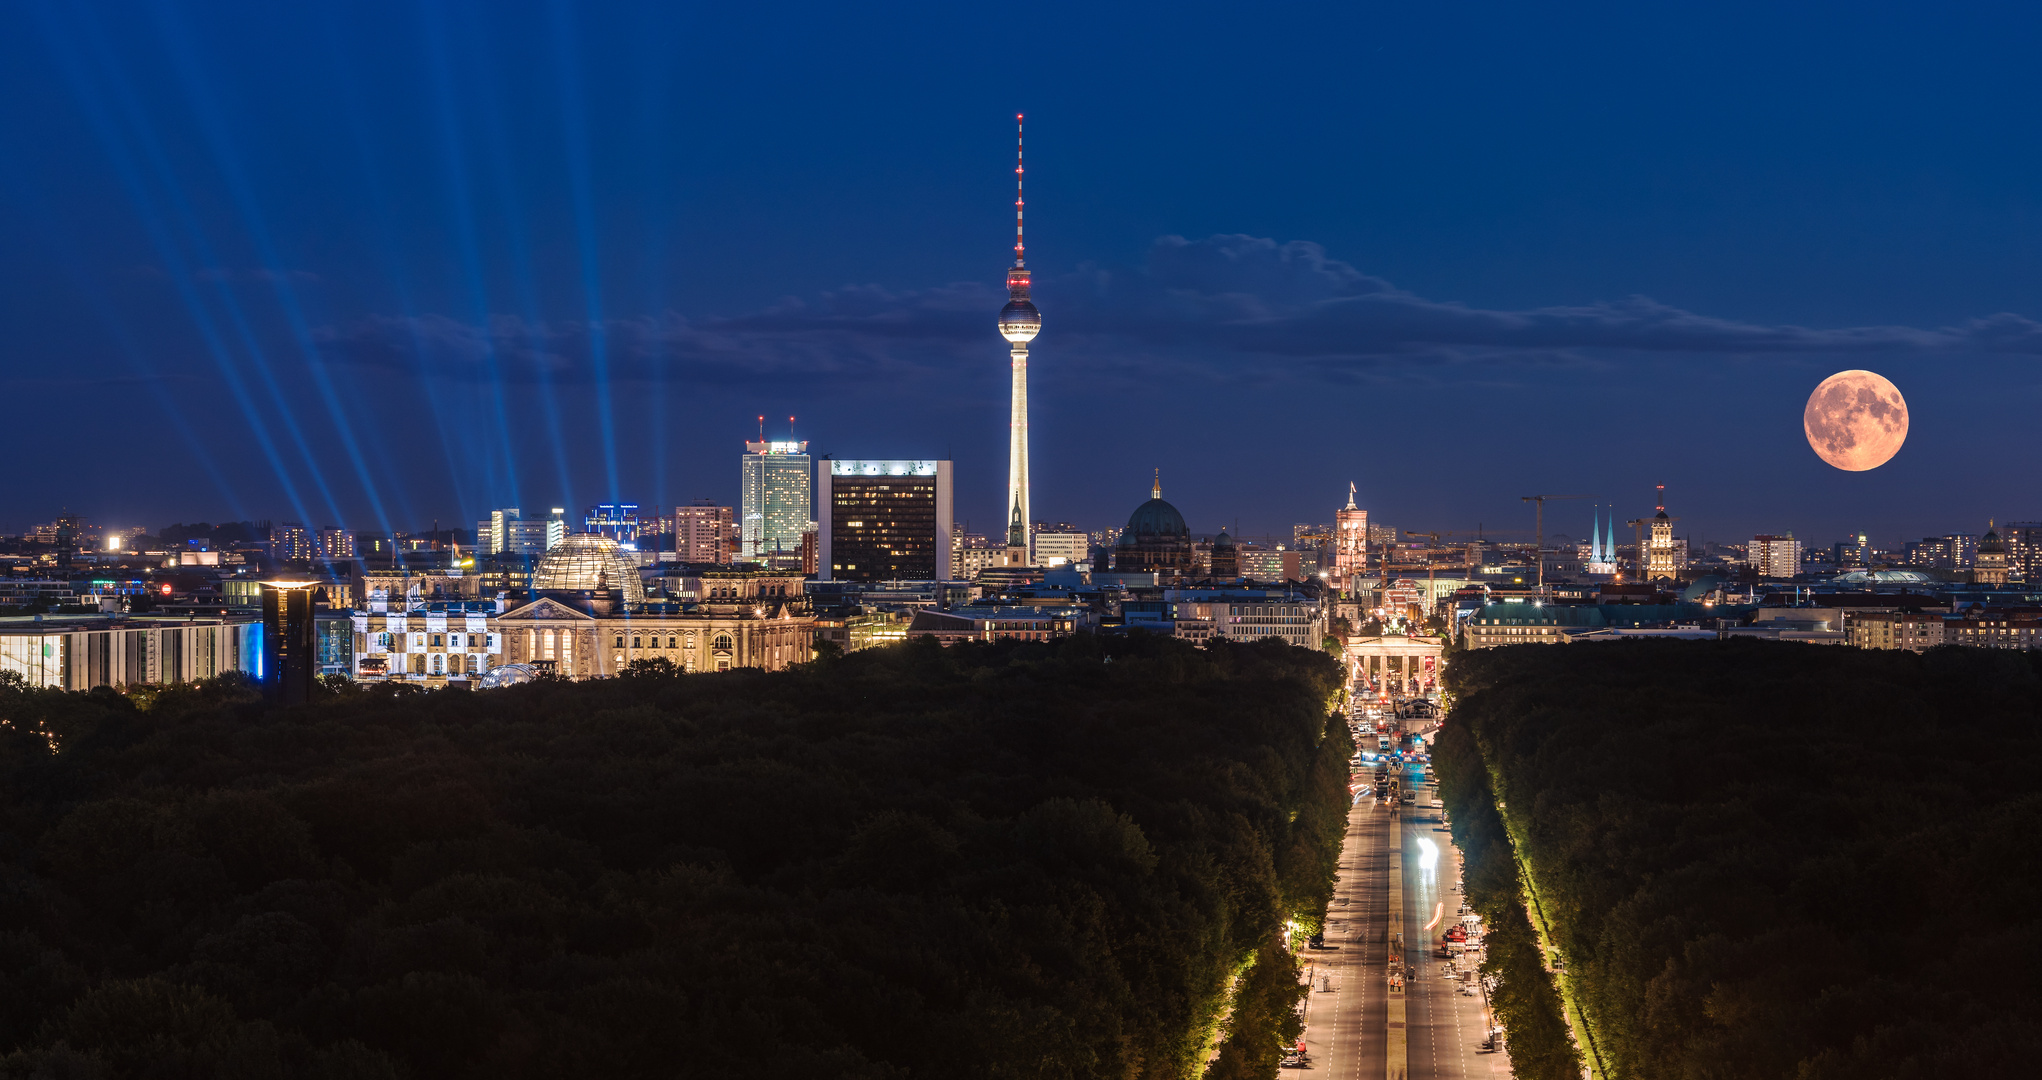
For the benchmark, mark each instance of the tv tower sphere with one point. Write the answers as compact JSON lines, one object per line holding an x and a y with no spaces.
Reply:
{"x":1019,"y":321}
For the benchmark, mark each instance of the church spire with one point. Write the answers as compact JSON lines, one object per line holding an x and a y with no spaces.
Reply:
{"x":1156,"y":492}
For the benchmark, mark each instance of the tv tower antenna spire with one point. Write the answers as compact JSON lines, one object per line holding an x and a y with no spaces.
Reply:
{"x":1020,"y":249}
{"x":1019,"y":323}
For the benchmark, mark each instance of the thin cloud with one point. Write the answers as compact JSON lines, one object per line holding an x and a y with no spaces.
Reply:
{"x":1227,"y":306}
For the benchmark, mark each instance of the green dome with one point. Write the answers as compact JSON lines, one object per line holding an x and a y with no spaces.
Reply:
{"x":1154,"y":518}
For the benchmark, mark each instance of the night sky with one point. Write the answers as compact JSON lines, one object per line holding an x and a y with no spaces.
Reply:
{"x":376,"y":264}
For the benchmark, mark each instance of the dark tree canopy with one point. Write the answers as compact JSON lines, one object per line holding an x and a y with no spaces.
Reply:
{"x":1775,"y":860}
{"x":1022,"y":860}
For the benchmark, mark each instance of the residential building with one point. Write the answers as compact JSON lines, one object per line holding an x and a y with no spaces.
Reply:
{"x":705,"y":533}
{"x":1913,"y":631}
{"x":883,"y":520}
{"x":2024,"y":548}
{"x":1995,"y":629}
{"x":1853,"y":551}
{"x":774,"y":501}
{"x":1777,"y":557}
{"x":290,"y":541}
{"x":336,"y":544}
{"x":971,"y":554}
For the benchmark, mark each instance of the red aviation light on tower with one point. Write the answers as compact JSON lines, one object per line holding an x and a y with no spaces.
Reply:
{"x":1020,"y":249}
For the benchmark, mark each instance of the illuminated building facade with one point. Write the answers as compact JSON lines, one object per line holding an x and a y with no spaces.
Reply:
{"x":1991,"y":566}
{"x":512,"y":533}
{"x":618,"y":521}
{"x":774,"y":500}
{"x":292,"y":542}
{"x":336,"y":544}
{"x":1664,"y":558}
{"x":1062,"y":548}
{"x":79,"y":652}
{"x":2024,"y":548}
{"x":1777,"y":557}
{"x":740,"y":619}
{"x":1602,"y":545}
{"x":884,"y":521}
{"x":705,"y":533}
{"x":1350,"y":545}
{"x":586,"y":562}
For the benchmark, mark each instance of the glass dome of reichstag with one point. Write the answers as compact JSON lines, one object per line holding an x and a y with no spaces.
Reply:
{"x":585,"y":562}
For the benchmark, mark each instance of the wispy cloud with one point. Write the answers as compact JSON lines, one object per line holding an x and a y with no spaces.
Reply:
{"x":1224,"y":305}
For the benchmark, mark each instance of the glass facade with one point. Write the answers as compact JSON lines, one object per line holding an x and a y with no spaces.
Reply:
{"x":584,"y":562}
{"x":776,"y":499}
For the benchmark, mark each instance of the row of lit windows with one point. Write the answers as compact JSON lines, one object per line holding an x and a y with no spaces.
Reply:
{"x":420,"y":642}
{"x":673,"y":641}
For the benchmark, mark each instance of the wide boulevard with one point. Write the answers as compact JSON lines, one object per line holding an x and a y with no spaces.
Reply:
{"x":1356,"y":1026}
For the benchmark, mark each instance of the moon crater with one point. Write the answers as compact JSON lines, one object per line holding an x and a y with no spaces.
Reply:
{"x":1856,"y":420}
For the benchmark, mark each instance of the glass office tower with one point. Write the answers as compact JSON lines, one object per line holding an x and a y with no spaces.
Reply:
{"x":775,"y":503}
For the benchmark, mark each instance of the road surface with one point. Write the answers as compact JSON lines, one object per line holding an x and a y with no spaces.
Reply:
{"x":1348,"y":1033}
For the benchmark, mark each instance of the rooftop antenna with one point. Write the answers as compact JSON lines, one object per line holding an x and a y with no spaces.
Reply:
{"x":1020,"y":250}
{"x":790,"y":429}
{"x":762,"y":429}
{"x":1662,"y":499}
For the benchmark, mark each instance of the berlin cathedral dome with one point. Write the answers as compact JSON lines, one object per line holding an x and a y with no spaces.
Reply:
{"x":1156,"y":538}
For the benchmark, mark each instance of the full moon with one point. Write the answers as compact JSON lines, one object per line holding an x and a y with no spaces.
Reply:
{"x":1856,"y":420}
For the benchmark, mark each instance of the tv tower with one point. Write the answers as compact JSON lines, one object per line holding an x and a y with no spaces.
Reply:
{"x":1019,"y":322}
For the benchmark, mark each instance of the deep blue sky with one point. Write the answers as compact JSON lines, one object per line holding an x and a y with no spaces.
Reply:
{"x":380,"y":263}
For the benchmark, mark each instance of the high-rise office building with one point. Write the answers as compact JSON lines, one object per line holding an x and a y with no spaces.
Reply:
{"x":883,"y":521}
{"x":1777,"y":557}
{"x":618,"y":521}
{"x":705,"y":533}
{"x":556,"y":528}
{"x":512,"y":533}
{"x":774,"y":502}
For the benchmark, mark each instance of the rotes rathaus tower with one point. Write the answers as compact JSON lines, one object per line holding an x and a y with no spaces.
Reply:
{"x":1019,"y":322}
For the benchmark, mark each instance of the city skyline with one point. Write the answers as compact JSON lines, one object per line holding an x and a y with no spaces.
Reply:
{"x":427,"y":310}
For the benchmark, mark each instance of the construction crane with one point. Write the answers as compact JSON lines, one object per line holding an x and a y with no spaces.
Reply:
{"x":1541,"y":501}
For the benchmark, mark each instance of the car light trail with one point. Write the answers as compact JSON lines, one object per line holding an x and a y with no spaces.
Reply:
{"x":1438,"y":910}
{"x":1429,"y":858}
